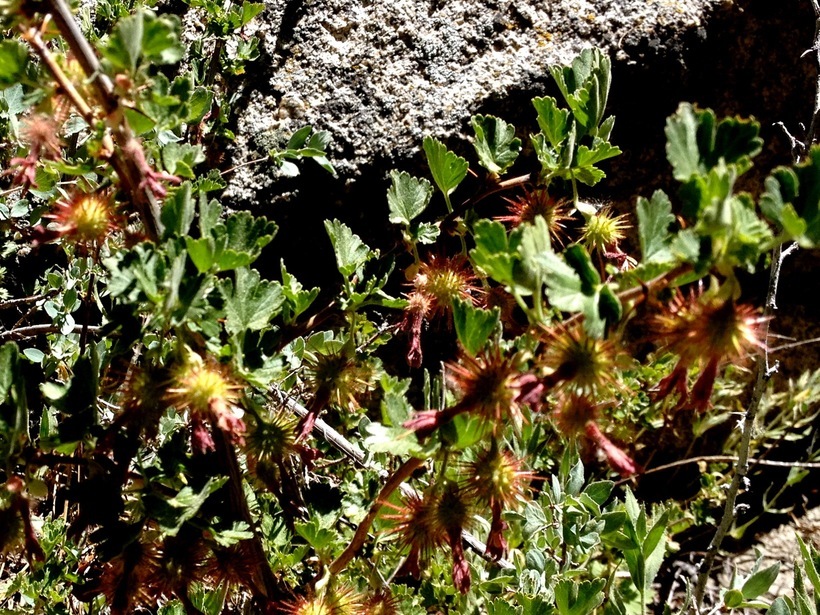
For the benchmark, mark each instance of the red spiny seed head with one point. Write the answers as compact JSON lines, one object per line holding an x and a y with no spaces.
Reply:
{"x":273,"y":439}
{"x":535,"y":203}
{"x":416,"y":524}
{"x":41,"y":133}
{"x":729,"y":330}
{"x":706,"y":332}
{"x":698,"y":329}
{"x":578,"y":362}
{"x":176,"y":564}
{"x":232,"y":566}
{"x":442,"y":280}
{"x":196,"y":383}
{"x":125,"y":579}
{"x":452,"y":512}
{"x":603,"y":231}
{"x":143,"y":399}
{"x":381,"y":603}
{"x":341,"y":600}
{"x":496,"y":477}
{"x":317,"y":605}
{"x":84,"y":219}
{"x":205,"y":389}
{"x":339,"y":379}
{"x":488,"y":385}
{"x":573,"y":412}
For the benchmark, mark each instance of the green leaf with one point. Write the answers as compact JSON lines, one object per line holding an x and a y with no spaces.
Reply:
{"x":599,"y":491}
{"x":760,"y":582}
{"x":654,"y":219}
{"x":792,"y":199}
{"x":575,"y":479}
{"x":13,"y":60}
{"x":393,"y":440}
{"x":139,"y":122}
{"x":473,"y":325}
{"x":236,"y":243}
{"x":180,"y":158}
{"x":202,"y":253}
{"x":209,"y":215}
{"x":238,"y":532}
{"x":601,"y":150}
{"x":178,"y":211}
{"x":682,"y":142}
{"x":245,"y":236}
{"x":425,"y":233}
{"x":448,"y":169}
{"x":534,"y":240}
{"x":552,"y":120}
{"x":808,"y":555}
{"x":585,"y":87}
{"x":186,"y":504}
{"x":298,"y":299}
{"x":780,"y":607}
{"x":563,"y":284}
{"x":320,"y":538}
{"x":199,"y":103}
{"x":351,"y":252}
{"x":696,"y":142}
{"x":396,"y":410}
{"x":249,"y":11}
{"x":252,"y":303}
{"x":496,"y":144}
{"x":492,"y":253}
{"x":573,"y":598}
{"x":733,"y":598}
{"x":299,"y":138}
{"x":35,"y":355}
{"x":143,"y":37}
{"x":407,"y":197}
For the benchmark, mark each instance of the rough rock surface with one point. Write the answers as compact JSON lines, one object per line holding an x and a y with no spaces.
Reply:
{"x":380,"y":75}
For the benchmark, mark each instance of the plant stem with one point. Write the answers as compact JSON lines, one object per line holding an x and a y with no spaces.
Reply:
{"x":32,"y":36}
{"x":338,"y":441}
{"x":402,"y":473}
{"x":35,"y":330}
{"x":809,"y":465}
{"x":263,"y":581}
{"x":763,"y":372}
{"x":815,"y":118}
{"x":126,"y":159}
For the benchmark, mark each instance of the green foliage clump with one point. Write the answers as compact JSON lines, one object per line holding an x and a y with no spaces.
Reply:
{"x":181,"y":435}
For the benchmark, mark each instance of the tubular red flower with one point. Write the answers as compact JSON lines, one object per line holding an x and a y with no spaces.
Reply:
{"x":704,"y":332}
{"x":41,"y":133}
{"x":618,"y":460}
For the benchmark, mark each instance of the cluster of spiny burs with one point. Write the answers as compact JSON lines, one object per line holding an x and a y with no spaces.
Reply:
{"x":557,"y":373}
{"x":552,"y":371}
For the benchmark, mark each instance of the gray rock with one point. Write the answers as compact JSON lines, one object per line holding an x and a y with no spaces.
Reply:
{"x":380,"y":75}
